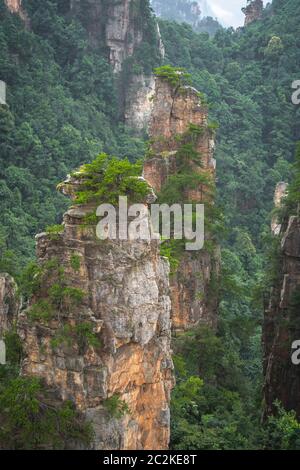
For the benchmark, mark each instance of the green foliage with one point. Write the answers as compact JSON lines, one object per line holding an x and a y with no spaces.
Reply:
{"x":107,"y":178}
{"x":282,"y":430}
{"x":65,"y":297}
{"x":81,"y":334}
{"x":176,"y":76}
{"x":75,"y":262}
{"x":14,"y":349}
{"x":54,"y":231}
{"x":29,"y":420}
{"x":62,"y":108}
{"x":116,"y":407}
{"x":41,"y":311}
{"x":172,"y":249}
{"x":292,"y":202}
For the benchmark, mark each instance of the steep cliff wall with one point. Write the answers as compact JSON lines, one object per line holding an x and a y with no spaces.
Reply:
{"x":281,"y":324}
{"x":174,"y":111}
{"x":123,"y":28}
{"x":109,"y":353}
{"x":253,"y":11}
{"x":111,"y":22}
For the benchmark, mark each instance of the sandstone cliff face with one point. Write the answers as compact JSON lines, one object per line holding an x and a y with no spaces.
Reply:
{"x":127,"y":307}
{"x":253,"y":11}
{"x":282,"y":326}
{"x":192,"y":298}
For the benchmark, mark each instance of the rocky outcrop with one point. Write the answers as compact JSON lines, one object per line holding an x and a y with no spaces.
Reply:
{"x":253,"y":11}
{"x":282,"y":325}
{"x":9,"y":303}
{"x":193,"y":297}
{"x":110,"y":354}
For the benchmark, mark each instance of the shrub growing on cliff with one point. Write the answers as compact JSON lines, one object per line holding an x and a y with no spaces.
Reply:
{"x":176,"y":76}
{"x":107,"y":178}
{"x":14,"y":349}
{"x":116,"y":407}
{"x":54,"y":231}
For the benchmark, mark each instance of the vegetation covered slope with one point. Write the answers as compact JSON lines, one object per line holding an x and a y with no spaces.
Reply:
{"x":247,"y":76}
{"x":62,"y":111}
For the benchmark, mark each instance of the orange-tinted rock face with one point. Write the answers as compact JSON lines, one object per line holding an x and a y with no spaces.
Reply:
{"x":127,"y":306}
{"x":193,"y":300}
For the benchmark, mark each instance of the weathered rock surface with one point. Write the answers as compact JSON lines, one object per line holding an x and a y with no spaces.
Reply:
{"x":138,"y":102}
{"x":193,"y":300}
{"x":253,"y":11}
{"x":127,"y":304}
{"x":282,"y":325}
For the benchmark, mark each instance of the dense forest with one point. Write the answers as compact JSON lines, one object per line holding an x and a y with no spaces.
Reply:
{"x":63,"y":103}
{"x":198,"y":14}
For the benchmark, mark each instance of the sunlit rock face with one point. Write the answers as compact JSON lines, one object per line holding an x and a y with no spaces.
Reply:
{"x":127,"y":306}
{"x":193,"y":299}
